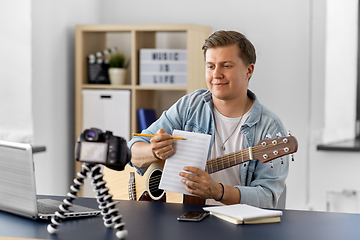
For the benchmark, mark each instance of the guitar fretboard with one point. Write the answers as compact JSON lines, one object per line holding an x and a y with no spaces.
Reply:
{"x":265,"y":150}
{"x":228,"y":160}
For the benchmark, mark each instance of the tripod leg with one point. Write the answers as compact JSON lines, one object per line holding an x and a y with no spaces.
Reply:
{"x":106,"y":204}
{"x":52,"y":228}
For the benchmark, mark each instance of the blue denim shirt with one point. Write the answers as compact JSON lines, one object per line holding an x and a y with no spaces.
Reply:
{"x":261,"y":185}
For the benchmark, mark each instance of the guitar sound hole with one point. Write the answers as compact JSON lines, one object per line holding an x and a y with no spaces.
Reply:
{"x":154,"y":184}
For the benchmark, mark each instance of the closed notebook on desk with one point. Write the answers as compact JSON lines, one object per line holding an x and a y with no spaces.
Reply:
{"x":244,"y":214}
{"x":237,"y":221}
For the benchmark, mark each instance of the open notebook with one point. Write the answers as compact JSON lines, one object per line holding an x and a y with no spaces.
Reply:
{"x":17,"y":185}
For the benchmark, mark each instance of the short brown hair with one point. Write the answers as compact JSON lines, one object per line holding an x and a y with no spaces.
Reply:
{"x":227,"y":38}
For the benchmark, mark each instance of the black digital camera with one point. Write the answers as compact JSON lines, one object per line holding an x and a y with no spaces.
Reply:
{"x":95,"y":146}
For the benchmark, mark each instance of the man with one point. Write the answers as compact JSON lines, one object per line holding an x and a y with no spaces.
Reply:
{"x":236,"y":120}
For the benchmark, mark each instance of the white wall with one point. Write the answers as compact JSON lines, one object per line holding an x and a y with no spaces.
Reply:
{"x":280,"y":31}
{"x":340,"y":69}
{"x":53,"y":87}
{"x":15,"y":71}
{"x":333,"y":99}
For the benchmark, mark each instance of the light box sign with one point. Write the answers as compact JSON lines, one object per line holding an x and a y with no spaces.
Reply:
{"x":163,"y":67}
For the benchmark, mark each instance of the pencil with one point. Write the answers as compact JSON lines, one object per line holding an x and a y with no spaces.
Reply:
{"x":149,"y":135}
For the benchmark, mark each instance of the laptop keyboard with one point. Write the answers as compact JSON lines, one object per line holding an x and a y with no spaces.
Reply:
{"x":46,"y":209}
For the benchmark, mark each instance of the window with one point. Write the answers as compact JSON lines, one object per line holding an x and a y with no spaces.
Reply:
{"x":342,"y":88}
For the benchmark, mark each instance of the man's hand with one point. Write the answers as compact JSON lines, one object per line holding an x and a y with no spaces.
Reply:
{"x":200,"y":183}
{"x":161,"y":145}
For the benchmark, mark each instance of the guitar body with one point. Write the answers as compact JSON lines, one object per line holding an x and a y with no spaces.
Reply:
{"x":193,"y":200}
{"x":118,"y":182}
{"x":128,"y":185}
{"x":146,"y":188}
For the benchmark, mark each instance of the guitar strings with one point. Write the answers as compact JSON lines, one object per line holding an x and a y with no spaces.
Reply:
{"x":242,"y":153}
{"x":220,"y":160}
{"x":154,"y":181}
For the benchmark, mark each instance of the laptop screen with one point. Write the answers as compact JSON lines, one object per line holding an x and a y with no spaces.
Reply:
{"x":17,"y":179}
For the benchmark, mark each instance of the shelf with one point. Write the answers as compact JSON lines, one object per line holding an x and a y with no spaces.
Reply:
{"x":141,"y":27}
{"x":136,"y":87}
{"x":162,"y":88}
{"x":105,"y":86}
{"x":345,"y":146}
{"x":129,"y":39}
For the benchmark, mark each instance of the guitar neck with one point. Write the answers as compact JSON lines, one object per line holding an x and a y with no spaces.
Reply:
{"x":264,"y":151}
{"x":228,"y":160}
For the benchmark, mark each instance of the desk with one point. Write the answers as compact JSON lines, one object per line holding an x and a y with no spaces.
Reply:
{"x":155,"y":220}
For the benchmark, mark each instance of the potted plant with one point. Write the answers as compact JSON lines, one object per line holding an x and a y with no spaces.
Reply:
{"x":117,"y":68}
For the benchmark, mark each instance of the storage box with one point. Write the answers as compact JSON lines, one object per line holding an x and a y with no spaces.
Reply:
{"x":107,"y":110}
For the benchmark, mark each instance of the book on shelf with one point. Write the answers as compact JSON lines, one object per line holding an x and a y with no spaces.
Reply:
{"x":245,"y":214}
{"x":146,"y":117}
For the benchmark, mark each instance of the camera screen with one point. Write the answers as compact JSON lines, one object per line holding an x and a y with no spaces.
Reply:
{"x":93,"y":152}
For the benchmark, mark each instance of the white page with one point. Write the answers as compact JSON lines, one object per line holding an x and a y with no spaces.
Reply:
{"x":244,"y":212}
{"x":190,"y":152}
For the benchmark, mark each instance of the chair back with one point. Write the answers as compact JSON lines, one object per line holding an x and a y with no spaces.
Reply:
{"x":282,"y":200}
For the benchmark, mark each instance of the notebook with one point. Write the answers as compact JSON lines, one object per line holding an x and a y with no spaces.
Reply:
{"x":244,"y":214}
{"x":17,"y":186}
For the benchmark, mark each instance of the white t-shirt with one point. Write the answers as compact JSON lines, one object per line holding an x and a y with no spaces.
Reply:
{"x":225,"y":126}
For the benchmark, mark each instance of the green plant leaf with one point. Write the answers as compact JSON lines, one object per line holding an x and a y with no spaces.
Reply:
{"x":117,"y":60}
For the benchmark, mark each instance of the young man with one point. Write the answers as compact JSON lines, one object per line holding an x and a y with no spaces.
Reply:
{"x":236,"y":120}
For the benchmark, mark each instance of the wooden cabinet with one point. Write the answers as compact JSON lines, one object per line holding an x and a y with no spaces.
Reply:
{"x":129,"y":39}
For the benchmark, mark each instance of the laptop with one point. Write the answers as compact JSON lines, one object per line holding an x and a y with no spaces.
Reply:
{"x":17,"y":186}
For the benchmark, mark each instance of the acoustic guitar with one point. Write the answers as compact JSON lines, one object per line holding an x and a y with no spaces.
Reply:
{"x":146,"y":188}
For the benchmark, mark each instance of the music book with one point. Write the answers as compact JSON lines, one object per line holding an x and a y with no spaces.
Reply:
{"x":190,"y":152}
{"x":244,"y":214}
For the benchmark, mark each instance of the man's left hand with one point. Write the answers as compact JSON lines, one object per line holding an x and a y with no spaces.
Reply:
{"x":199,"y":182}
